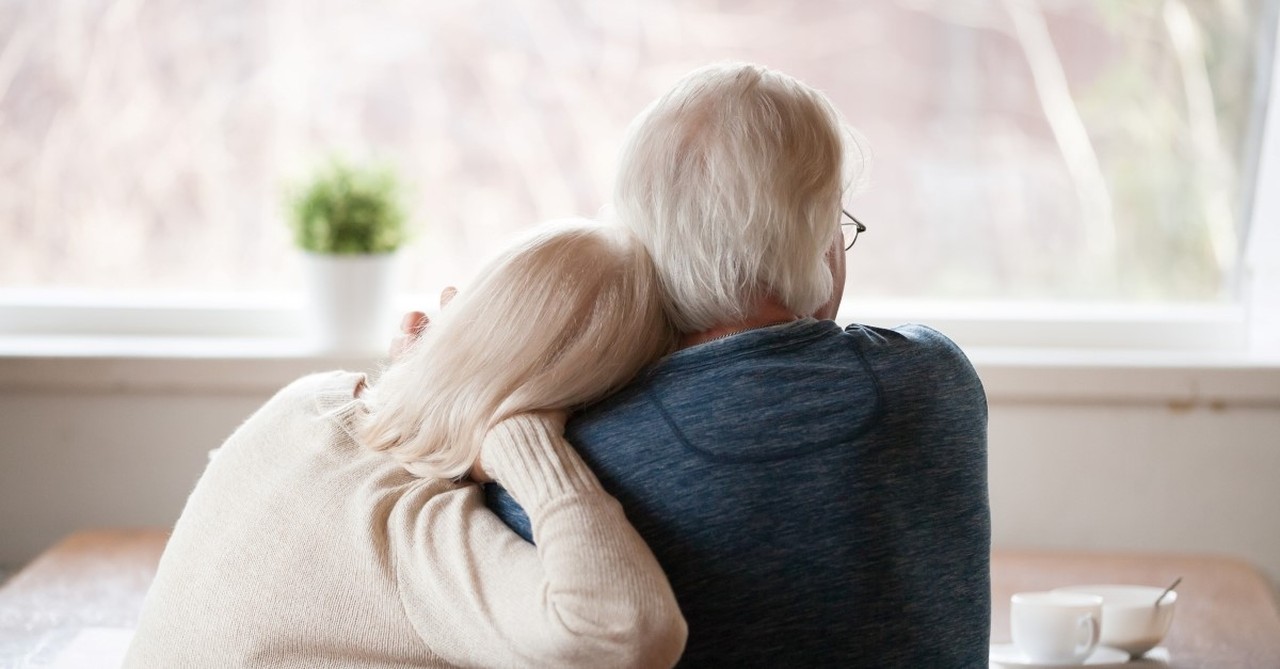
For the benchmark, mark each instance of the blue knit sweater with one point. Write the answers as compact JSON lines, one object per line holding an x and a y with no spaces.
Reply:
{"x":817,"y":496}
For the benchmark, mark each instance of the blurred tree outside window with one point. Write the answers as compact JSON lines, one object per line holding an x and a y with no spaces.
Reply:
{"x":1082,"y":150}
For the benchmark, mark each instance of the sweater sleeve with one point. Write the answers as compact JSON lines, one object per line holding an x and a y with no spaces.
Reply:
{"x":590,"y":594}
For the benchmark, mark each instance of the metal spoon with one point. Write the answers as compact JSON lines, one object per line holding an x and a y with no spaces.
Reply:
{"x":1167,"y":590}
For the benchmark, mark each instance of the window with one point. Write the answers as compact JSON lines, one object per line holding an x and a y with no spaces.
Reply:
{"x":1080,"y":150}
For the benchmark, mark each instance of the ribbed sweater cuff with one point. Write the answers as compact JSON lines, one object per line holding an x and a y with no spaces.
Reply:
{"x":529,"y":456}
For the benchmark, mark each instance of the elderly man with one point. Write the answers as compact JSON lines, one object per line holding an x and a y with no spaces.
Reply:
{"x":816,"y":495}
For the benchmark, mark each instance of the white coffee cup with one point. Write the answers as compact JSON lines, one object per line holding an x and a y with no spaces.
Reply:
{"x":1057,"y":627}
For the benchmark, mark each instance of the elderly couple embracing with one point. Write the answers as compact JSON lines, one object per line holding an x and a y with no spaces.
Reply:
{"x":637,"y":443}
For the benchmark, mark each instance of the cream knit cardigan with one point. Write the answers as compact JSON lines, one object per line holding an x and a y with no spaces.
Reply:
{"x":299,"y":548}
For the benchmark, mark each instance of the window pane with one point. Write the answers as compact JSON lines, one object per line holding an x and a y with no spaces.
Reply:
{"x":1061,"y":149}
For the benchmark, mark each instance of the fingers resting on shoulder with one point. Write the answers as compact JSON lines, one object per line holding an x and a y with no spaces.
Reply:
{"x":414,"y":323}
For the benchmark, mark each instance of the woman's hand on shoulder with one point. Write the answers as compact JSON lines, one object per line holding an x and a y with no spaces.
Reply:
{"x":414,"y":323}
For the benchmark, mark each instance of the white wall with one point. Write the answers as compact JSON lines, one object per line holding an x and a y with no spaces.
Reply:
{"x":80,"y":460}
{"x":1138,"y":477}
{"x":1125,"y":470}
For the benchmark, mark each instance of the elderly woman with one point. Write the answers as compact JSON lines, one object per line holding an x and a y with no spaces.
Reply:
{"x":334,"y":529}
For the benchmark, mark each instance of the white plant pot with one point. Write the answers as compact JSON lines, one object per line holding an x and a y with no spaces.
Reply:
{"x":349,"y":302}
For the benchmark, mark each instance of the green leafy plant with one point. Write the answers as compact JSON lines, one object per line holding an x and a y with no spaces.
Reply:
{"x":347,"y":209}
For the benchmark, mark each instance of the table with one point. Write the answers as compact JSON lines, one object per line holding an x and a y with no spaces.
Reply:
{"x":1226,"y":616}
{"x":89,"y":580}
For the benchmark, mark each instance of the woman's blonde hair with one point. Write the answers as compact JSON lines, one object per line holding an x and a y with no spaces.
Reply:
{"x":565,"y":317}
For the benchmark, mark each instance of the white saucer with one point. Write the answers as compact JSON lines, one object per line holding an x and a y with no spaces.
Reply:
{"x":1007,"y":656}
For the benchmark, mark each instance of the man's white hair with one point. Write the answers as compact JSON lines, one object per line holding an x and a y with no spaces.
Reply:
{"x":567,"y":316}
{"x":733,"y":180}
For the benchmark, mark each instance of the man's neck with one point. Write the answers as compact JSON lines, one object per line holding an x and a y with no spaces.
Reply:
{"x":767,"y":311}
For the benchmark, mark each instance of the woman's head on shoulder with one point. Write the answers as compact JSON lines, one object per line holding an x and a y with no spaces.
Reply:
{"x":568,"y":314}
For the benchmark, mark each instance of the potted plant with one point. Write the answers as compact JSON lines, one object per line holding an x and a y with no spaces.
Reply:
{"x":350,"y":223}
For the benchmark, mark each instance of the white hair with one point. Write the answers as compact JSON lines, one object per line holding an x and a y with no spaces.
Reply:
{"x":733,"y":180}
{"x":570,"y":314}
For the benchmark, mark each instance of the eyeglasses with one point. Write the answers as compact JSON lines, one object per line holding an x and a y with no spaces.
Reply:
{"x":858,"y":228}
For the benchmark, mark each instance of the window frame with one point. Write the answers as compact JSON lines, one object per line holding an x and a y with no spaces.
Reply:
{"x":68,"y":325}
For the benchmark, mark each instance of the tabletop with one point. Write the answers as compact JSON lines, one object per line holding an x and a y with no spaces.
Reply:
{"x":1226,"y":612}
{"x":90,"y":581}
{"x":83,"y":595}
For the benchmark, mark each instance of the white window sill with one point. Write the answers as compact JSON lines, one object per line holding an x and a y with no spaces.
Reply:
{"x":151,"y":365}
{"x":1179,"y":379}
{"x":194,"y":365}
{"x":1181,"y":356}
